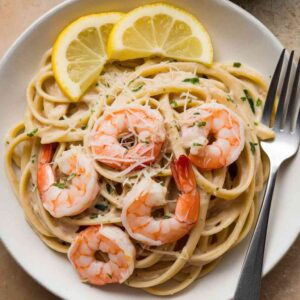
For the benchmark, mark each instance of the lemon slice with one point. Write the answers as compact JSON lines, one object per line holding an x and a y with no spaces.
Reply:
{"x":160,"y":29}
{"x":79,"y":52}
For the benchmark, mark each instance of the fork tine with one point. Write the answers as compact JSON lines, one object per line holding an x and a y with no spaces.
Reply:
{"x":272,"y":91}
{"x":283,"y":103}
{"x":297,"y":129}
{"x":293,"y":110}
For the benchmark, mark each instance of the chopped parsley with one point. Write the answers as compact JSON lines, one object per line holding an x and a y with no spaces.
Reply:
{"x":109,"y":188}
{"x":174,"y":104}
{"x":258,"y":102}
{"x":166,"y":217}
{"x":201,"y":124}
{"x":192,"y":80}
{"x":145,"y":142}
{"x":109,"y":275}
{"x":138,"y":87}
{"x":237,"y":64}
{"x":251,"y":103}
{"x":60,"y":185}
{"x":256,"y":123}
{"x":33,"y":132}
{"x":249,"y":99}
{"x":95,"y":216}
{"x":196,"y":113}
{"x":246,"y":92}
{"x":33,"y":158}
{"x":229,"y":99}
{"x":197,"y":145}
{"x":7,"y":142}
{"x":71,"y":176}
{"x":102,"y":207}
{"x":252,"y":147}
{"x":33,"y":187}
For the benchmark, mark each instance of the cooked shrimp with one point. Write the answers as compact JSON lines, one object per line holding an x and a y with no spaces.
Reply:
{"x":133,"y":134}
{"x":79,"y":189}
{"x":107,"y":239}
{"x":148,"y":194}
{"x":214,"y":134}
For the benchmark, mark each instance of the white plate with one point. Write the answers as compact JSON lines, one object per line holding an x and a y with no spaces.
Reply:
{"x":237,"y":36}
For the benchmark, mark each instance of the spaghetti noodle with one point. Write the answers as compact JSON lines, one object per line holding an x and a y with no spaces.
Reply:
{"x":228,"y":195}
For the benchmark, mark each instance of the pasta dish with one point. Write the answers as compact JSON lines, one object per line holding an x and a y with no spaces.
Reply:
{"x":149,"y":175}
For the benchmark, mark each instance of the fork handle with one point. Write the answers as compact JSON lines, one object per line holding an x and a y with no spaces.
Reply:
{"x":248,"y":287}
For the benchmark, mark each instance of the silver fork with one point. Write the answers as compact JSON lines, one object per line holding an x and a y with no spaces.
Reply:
{"x":287,"y":128}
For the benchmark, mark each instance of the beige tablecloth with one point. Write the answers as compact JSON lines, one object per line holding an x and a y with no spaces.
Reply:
{"x":281,"y":16}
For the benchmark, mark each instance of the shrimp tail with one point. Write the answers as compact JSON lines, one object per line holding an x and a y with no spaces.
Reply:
{"x":187,"y":208}
{"x":45,"y":177}
{"x":183,"y":174}
{"x":46,"y":153}
{"x":188,"y":204}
